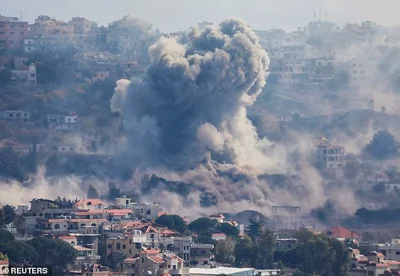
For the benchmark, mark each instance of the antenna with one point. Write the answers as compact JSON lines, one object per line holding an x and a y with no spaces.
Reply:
{"x":371,"y":102}
{"x":21,"y":13}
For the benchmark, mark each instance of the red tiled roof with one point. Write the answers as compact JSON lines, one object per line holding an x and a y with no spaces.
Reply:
{"x":81,"y":248}
{"x":3,"y":262}
{"x":67,"y":237}
{"x":343,"y":233}
{"x":219,"y":234}
{"x":130,"y":260}
{"x":151,"y":251}
{"x":156,"y":259}
{"x":77,"y":220}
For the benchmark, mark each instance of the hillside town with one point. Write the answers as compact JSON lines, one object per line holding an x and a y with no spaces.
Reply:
{"x":334,"y":212}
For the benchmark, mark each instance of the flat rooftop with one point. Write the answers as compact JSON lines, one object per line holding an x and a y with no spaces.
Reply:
{"x":218,"y":270}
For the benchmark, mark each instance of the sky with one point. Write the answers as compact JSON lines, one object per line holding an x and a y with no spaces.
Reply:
{"x":174,"y":15}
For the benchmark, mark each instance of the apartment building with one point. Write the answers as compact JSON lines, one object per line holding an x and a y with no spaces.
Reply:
{"x":67,"y":225}
{"x":24,"y":76}
{"x":156,"y":263}
{"x":201,"y":254}
{"x":328,"y":155}
{"x":15,"y":115}
{"x":147,"y":211}
{"x":50,"y":27}
{"x":12,"y":33}
{"x":62,"y":122}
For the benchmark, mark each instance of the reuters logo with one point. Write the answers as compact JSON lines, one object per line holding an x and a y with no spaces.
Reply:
{"x":5,"y":271}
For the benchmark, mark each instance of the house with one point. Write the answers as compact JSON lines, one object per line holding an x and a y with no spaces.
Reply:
{"x":145,"y":211}
{"x":62,"y":226}
{"x":69,"y":149}
{"x":86,"y":257}
{"x":218,"y":217}
{"x":218,"y":236}
{"x":373,"y":264}
{"x":15,"y":115}
{"x":62,"y":122}
{"x":391,"y":250}
{"x":339,"y":232}
{"x":24,"y":76}
{"x":153,"y":262}
{"x":127,"y":244}
{"x":328,"y":155}
{"x":12,"y":32}
{"x":16,"y":147}
{"x":285,"y":243}
{"x":72,"y":240}
{"x":201,"y":254}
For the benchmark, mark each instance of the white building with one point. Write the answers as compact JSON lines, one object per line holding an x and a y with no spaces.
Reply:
{"x":330,"y":156}
{"x":221,"y":271}
{"x":62,"y":122}
{"x":26,"y":76}
{"x":391,"y":250}
{"x":70,"y":149}
{"x":144,"y":210}
{"x":15,"y":115}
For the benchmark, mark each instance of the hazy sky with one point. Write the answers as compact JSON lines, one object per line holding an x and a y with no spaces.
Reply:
{"x":172,"y":15}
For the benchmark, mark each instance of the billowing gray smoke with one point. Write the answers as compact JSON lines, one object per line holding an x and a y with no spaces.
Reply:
{"x":192,"y":98}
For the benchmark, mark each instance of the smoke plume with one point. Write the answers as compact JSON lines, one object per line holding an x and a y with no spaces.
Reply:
{"x":193,"y":98}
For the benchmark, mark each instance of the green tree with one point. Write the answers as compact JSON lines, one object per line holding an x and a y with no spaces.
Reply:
{"x":9,"y":214}
{"x":382,"y":146}
{"x":113,"y":191}
{"x":224,"y":251}
{"x":244,"y":251}
{"x":264,"y":253}
{"x":6,"y":236}
{"x":228,"y":229}
{"x":53,"y":252}
{"x":3,"y":257}
{"x":18,"y":252}
{"x":173,"y":222}
{"x":92,"y":192}
{"x":255,"y":228}
{"x":202,"y":225}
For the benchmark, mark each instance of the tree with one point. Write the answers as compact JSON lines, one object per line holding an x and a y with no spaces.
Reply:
{"x":92,"y":192}
{"x":9,"y":214}
{"x":255,"y":228}
{"x":264,"y":254}
{"x":18,"y":252}
{"x":3,"y":257}
{"x":6,"y":236}
{"x":173,"y":222}
{"x":113,"y":191}
{"x":53,"y":252}
{"x":202,"y":225}
{"x":382,"y":146}
{"x":224,"y":251}
{"x":244,"y":251}
{"x":228,"y":229}
{"x":5,"y":77}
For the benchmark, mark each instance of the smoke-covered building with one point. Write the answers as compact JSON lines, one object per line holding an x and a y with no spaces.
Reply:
{"x":62,"y":122}
{"x":329,"y":155}
{"x":18,"y":115}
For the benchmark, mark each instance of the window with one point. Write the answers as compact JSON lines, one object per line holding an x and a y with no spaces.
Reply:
{"x":12,"y":26}
{"x":11,"y":33}
{"x":397,"y":252}
{"x":118,"y":246}
{"x":22,"y":33}
{"x":130,"y":251}
{"x":57,"y":226}
{"x":109,"y":246}
{"x":142,"y":260}
{"x":124,"y":246}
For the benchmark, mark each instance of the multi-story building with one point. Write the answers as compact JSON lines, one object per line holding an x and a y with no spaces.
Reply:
{"x":50,"y":27}
{"x":374,"y":264}
{"x":128,"y":244}
{"x":86,"y":256}
{"x":24,"y":76}
{"x":62,"y":122}
{"x":156,"y":263}
{"x":201,"y":254}
{"x":15,"y":115}
{"x":391,"y":250}
{"x":67,"y":225}
{"x":12,"y":33}
{"x":145,"y":210}
{"x":328,"y":155}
